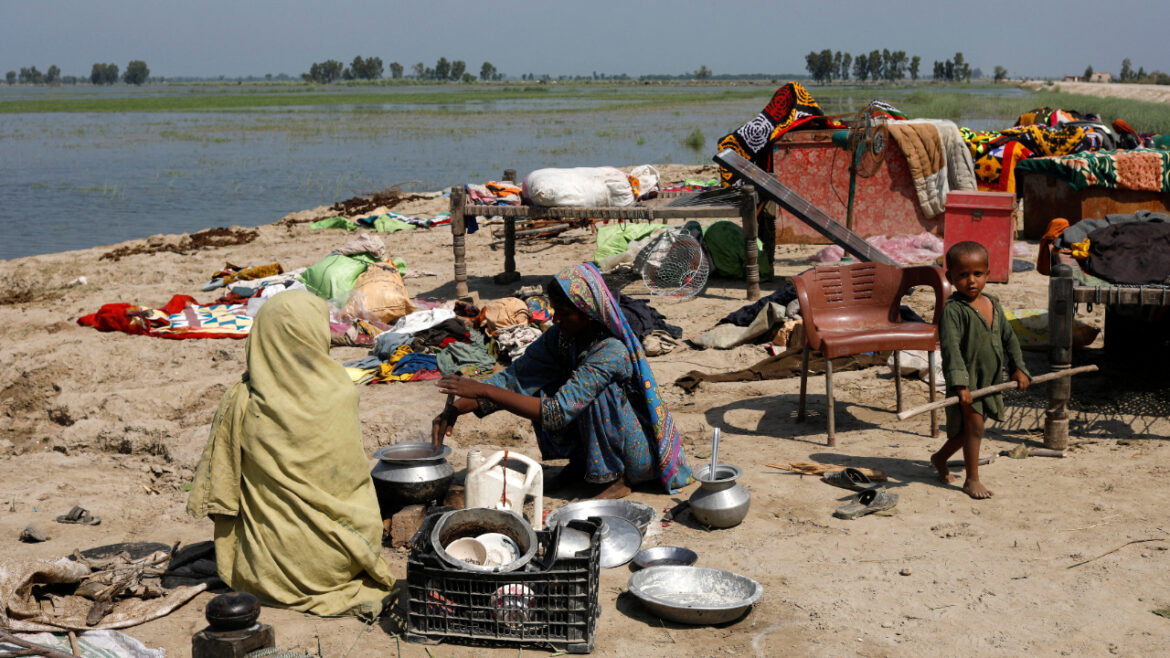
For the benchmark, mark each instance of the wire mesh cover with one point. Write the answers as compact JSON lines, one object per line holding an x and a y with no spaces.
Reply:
{"x":674,"y":265}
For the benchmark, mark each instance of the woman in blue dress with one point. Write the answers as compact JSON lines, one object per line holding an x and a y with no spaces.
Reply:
{"x":587,"y":388}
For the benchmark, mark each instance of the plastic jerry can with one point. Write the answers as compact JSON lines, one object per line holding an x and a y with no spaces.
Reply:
{"x":492,"y":483}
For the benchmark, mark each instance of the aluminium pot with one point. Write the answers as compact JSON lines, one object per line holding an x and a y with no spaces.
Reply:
{"x":411,"y":474}
{"x":721,"y":501}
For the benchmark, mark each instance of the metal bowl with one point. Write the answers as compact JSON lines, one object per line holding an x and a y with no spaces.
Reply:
{"x":665,"y":556}
{"x":695,"y":595}
{"x":639,"y":514}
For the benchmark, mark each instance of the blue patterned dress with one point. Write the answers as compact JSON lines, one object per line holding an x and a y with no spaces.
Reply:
{"x":585,"y":404}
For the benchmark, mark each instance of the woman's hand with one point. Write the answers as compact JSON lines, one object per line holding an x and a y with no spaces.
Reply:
{"x":1021,"y":379}
{"x":441,"y":427}
{"x":463,"y":387}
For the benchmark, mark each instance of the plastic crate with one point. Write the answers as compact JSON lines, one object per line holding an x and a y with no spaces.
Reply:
{"x":554,"y":606}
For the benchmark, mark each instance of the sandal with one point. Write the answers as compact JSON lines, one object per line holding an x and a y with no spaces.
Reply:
{"x":867,"y":502}
{"x":850,"y":478}
{"x":80,"y":516}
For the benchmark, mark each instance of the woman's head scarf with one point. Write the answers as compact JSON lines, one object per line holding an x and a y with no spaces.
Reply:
{"x":588,"y":292}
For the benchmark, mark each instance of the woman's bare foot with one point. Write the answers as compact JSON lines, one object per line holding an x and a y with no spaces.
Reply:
{"x":617,"y":489}
{"x":940,"y":465}
{"x":976,"y":490}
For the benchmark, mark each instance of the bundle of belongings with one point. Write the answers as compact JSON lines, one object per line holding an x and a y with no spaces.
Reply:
{"x":1123,"y":249}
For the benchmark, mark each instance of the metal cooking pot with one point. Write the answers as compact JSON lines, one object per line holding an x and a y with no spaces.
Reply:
{"x":475,"y":521}
{"x":410,"y":474}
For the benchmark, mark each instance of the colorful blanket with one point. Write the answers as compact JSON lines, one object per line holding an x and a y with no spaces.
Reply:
{"x":791,"y":106}
{"x":996,"y":154}
{"x":1136,"y":169}
{"x":180,"y":318}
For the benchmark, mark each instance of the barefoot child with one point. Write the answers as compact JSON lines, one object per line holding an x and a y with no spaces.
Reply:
{"x":976,"y":339}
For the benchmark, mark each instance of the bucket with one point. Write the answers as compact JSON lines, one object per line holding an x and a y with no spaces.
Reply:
{"x":494,"y":484}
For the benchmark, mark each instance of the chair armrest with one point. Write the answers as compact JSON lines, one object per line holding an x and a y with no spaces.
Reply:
{"x":927,"y":275}
{"x":811,"y":338}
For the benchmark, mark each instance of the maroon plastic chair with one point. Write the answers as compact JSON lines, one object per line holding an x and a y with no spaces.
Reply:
{"x":853,"y":309}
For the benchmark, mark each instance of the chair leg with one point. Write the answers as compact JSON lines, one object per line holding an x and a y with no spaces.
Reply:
{"x":898,"y":380}
{"x":933,"y":412}
{"x":829,"y":396}
{"x":803,"y":384}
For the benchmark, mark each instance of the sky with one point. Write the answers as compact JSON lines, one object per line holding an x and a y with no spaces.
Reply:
{"x":209,"y":38}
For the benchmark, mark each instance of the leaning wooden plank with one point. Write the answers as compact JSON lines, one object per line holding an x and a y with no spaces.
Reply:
{"x":995,"y":388}
{"x":772,"y":189}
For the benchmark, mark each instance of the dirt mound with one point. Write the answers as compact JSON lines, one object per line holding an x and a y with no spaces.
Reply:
{"x":212,"y":238}
{"x":384,"y":199}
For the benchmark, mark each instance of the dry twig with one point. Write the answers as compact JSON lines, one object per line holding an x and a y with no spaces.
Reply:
{"x":1135,"y":541}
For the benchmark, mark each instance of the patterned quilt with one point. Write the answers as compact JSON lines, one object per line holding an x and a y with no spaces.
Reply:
{"x":1135,"y":169}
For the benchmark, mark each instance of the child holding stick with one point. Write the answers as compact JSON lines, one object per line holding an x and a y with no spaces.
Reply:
{"x":976,"y":340}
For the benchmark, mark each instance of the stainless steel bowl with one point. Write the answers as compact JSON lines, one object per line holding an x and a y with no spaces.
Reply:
{"x":695,"y":595}
{"x":665,"y":556}
{"x":639,"y":514}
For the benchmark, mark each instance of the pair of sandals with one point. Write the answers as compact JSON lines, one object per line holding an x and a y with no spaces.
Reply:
{"x":871,"y":496}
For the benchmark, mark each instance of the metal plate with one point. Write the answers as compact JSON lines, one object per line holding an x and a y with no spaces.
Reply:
{"x":404,"y":453}
{"x":639,"y":514}
{"x":665,"y":556}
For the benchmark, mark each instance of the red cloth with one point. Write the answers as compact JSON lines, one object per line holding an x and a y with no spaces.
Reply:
{"x":1044,"y":259}
{"x":129,"y":318}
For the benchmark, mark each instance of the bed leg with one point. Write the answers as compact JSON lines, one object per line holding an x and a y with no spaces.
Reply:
{"x":747,"y":213}
{"x":459,"y":240}
{"x":1061,"y":312}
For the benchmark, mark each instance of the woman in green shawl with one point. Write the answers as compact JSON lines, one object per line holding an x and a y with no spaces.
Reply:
{"x":284,"y":476}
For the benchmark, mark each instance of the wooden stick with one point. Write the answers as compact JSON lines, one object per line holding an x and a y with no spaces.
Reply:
{"x":73,"y":643}
{"x":48,"y":652}
{"x":996,"y":388}
{"x":1136,"y":541}
{"x":959,"y":463}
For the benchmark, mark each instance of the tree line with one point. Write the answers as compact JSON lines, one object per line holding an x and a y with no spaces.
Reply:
{"x":371,"y":68}
{"x":829,"y":65}
{"x":102,"y":74}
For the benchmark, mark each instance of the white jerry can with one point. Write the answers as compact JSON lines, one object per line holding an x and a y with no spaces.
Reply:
{"x":493,"y":484}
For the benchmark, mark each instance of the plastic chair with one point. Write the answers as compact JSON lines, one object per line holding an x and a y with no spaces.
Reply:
{"x":852,"y":309}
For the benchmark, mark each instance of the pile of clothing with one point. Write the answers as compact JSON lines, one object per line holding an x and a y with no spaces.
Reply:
{"x":1123,"y":248}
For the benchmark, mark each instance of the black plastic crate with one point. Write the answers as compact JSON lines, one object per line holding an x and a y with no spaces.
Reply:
{"x":554,"y":606}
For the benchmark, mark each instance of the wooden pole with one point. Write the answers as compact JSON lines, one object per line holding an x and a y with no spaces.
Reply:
{"x":459,"y":240}
{"x":996,"y":388}
{"x":747,"y":213}
{"x":1061,"y":309}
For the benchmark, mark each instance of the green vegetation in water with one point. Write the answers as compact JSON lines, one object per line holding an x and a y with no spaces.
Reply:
{"x":695,"y":141}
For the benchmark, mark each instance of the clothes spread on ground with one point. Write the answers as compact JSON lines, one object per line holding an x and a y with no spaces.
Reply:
{"x":180,"y":318}
{"x":644,"y":318}
{"x":285,"y":478}
{"x":420,"y":320}
{"x":1131,"y":253}
{"x":466,"y":358}
{"x":451,"y":329}
{"x":781,"y":366}
{"x":514,"y":340}
{"x":743,"y":316}
{"x":1136,"y":169}
{"x":599,"y":401}
{"x":791,"y":106}
{"x":975,"y":354}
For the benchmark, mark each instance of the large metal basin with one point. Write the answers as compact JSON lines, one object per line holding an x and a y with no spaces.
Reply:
{"x":695,"y":595}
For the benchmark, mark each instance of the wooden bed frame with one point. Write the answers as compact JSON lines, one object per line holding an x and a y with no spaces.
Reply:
{"x":745,"y":211}
{"x":1065,"y":291}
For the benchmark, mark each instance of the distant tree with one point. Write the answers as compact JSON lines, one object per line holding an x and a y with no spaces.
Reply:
{"x":948,"y":70}
{"x":837,"y":59}
{"x":1141,"y":74}
{"x":962,"y":68}
{"x":458,"y":68}
{"x":976,"y":73}
{"x":939,"y":70}
{"x":846,"y":62}
{"x":136,"y":72}
{"x":488,"y":72}
{"x":429,"y":74}
{"x":861,"y":67}
{"x":10,"y":77}
{"x":53,"y":75}
{"x":887,"y":67}
{"x":31,"y":75}
{"x":326,"y":72}
{"x":820,"y":65}
{"x":1000,"y":74}
{"x":1126,"y":71}
{"x":875,"y":65}
{"x":442,"y":68}
{"x":702,"y":73}
{"x":419,"y":70}
{"x":1088,"y":72}
{"x":898,"y":60}
{"x":915,"y":62}
{"x":365,"y":68}
{"x":395,"y":70}
{"x":467,"y":78}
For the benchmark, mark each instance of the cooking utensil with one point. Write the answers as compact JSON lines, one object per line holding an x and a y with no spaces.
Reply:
{"x":639,"y":514}
{"x":665,"y":556}
{"x":476,"y":521}
{"x":694,"y":595}
{"x":409,"y":474}
{"x":714,"y":451}
{"x":720,"y":501}
{"x":620,"y":540}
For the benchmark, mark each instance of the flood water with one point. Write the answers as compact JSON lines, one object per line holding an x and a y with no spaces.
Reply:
{"x":78,"y":180}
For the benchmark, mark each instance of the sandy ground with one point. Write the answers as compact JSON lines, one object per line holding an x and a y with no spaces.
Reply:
{"x":115,"y":423}
{"x":1152,"y":93}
